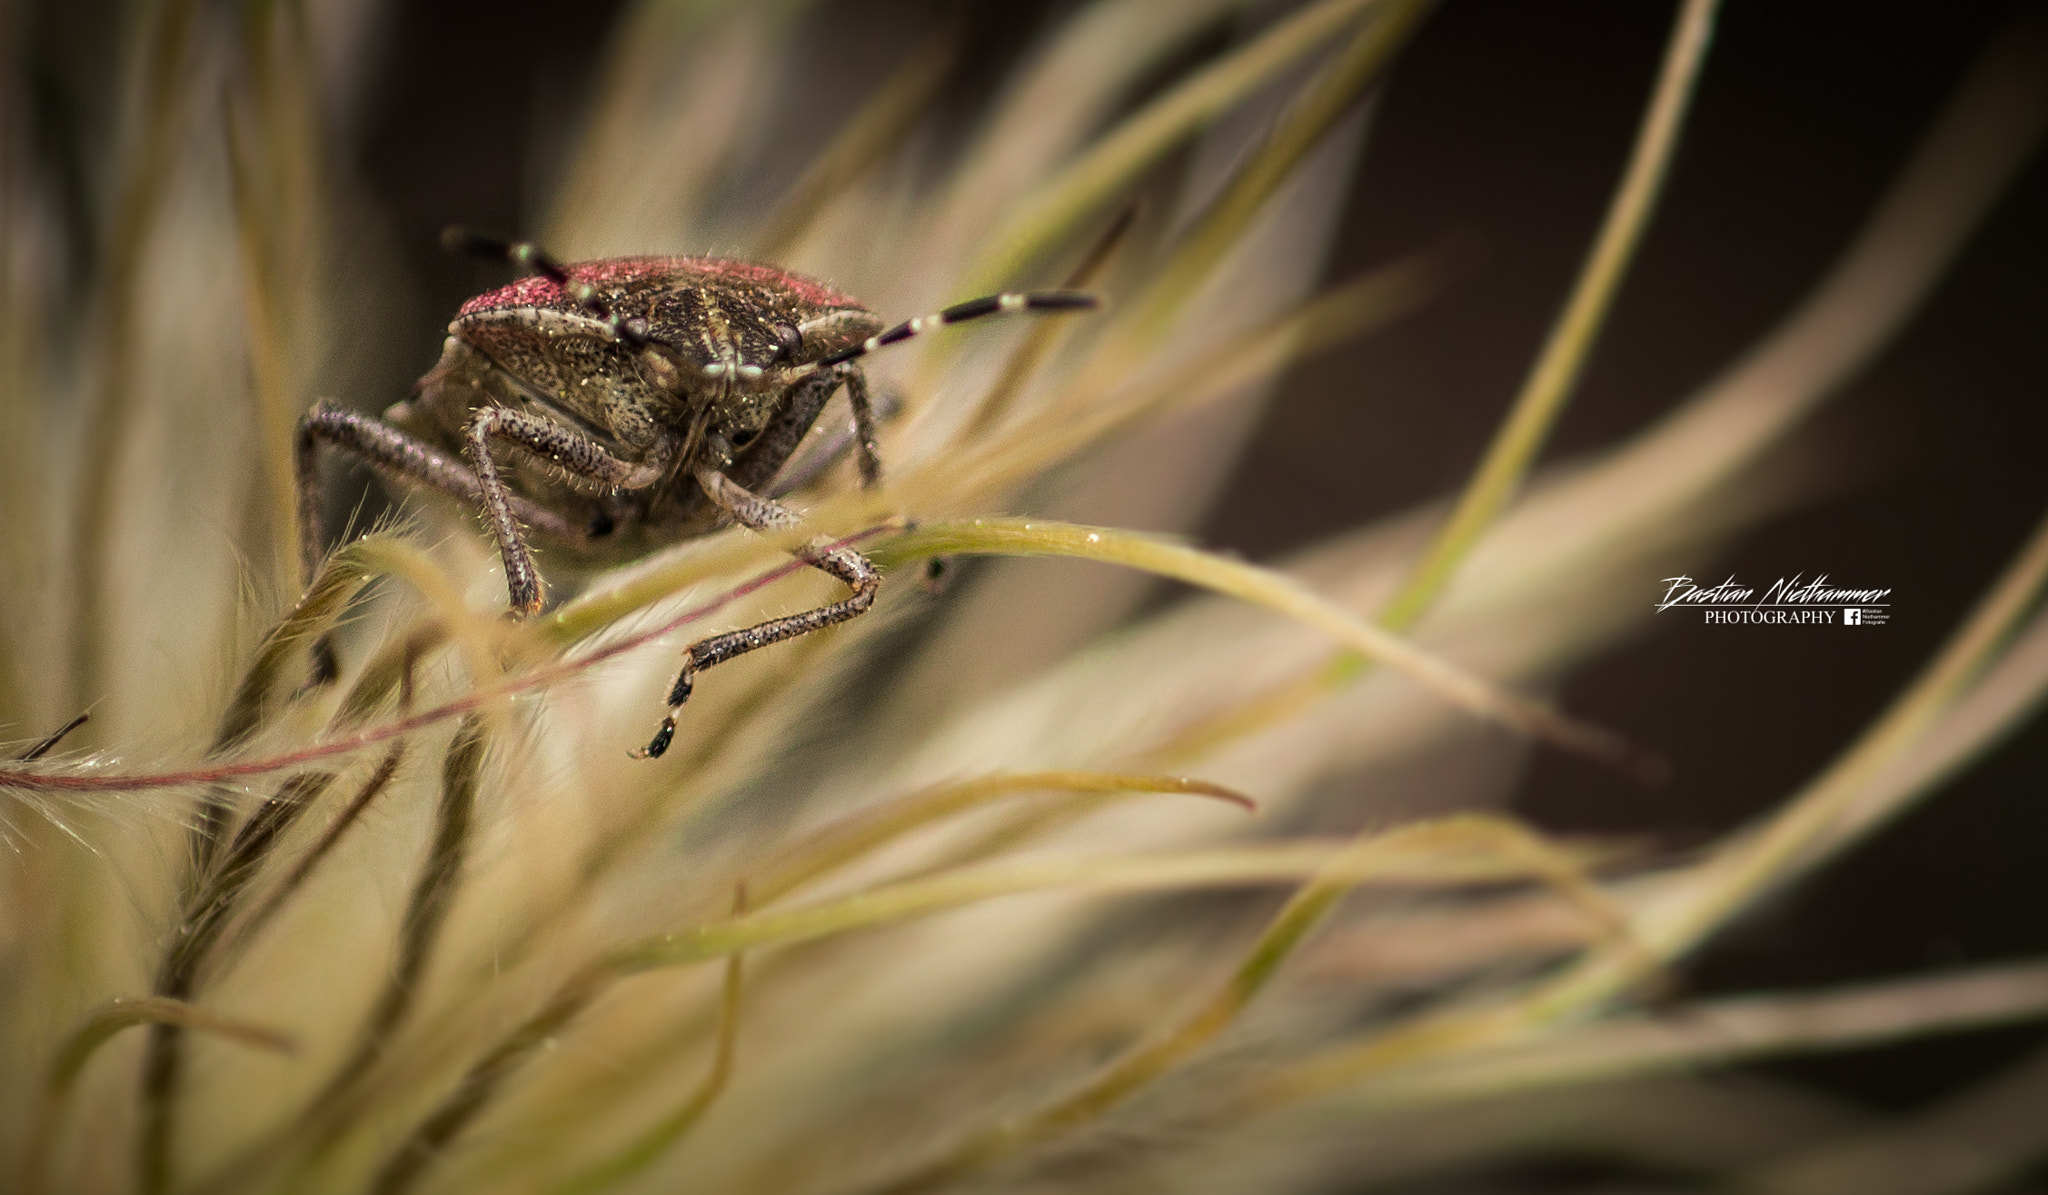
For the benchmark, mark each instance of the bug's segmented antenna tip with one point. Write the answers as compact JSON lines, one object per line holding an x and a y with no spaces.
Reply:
{"x":1062,"y":300}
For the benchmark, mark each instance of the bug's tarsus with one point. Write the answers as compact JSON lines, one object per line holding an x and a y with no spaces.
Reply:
{"x":763,"y":514}
{"x":658,"y":746}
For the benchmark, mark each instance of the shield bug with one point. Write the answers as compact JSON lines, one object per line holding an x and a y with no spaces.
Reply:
{"x":608,"y":407}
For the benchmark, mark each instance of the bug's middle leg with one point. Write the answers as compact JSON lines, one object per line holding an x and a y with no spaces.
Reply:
{"x":763,"y":514}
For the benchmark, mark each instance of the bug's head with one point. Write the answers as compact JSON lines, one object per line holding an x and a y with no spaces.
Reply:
{"x":731,"y":342}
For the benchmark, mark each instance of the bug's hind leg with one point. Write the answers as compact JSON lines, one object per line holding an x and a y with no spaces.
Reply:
{"x":763,"y":514}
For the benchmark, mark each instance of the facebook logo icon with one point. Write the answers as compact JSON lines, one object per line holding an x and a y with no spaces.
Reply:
{"x":1852,"y":618}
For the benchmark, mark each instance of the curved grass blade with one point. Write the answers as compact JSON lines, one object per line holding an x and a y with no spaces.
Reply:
{"x":1277,"y":592}
{"x":851,"y":838}
{"x":1103,"y":174}
{"x":98,"y":1029}
{"x":663,"y":1136}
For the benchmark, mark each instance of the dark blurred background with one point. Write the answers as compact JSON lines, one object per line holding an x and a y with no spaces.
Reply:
{"x":1510,"y":120}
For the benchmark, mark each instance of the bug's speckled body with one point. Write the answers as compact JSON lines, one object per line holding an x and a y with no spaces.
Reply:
{"x":729,"y":355}
{"x":609,"y":407}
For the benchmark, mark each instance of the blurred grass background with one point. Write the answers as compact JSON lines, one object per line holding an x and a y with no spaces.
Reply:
{"x":1505,"y":123}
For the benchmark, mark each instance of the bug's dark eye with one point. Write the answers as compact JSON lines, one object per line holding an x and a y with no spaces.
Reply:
{"x":788,"y":340}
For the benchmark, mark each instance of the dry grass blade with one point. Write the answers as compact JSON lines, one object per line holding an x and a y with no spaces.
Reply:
{"x":1309,"y":119}
{"x":481,"y":1083}
{"x":218,"y":881}
{"x":1145,"y":1064}
{"x":277,"y":209}
{"x":1984,"y":1139}
{"x":166,"y":92}
{"x":79,"y":1048}
{"x":2010,"y":690}
{"x":1313,"y":904}
{"x":1062,"y":95}
{"x":1713,"y":892}
{"x":665,"y":61}
{"x":426,"y":912}
{"x":850,"y":838}
{"x":671,"y":1129}
{"x":1723,"y":1031}
{"x":1535,"y":410}
{"x":1100,"y":176}
{"x":216,"y":897}
{"x":254,"y":702}
{"x":1557,"y":369}
{"x":1024,"y":363}
{"x":373,"y":687}
{"x":875,"y":130}
{"x":290,"y":883}
{"x":1750,"y":868}
{"x":1452,"y":852}
{"x":1284,"y":595}
{"x":1089,"y":417}
{"x":1982,"y":137}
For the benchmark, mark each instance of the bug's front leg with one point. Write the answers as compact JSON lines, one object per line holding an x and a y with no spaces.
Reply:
{"x":805,"y":469}
{"x":868,"y":452}
{"x":574,"y":452}
{"x":763,"y":514}
{"x":390,"y":451}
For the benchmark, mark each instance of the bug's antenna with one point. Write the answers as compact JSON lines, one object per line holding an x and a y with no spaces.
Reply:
{"x":527,"y":255}
{"x":960,"y":313}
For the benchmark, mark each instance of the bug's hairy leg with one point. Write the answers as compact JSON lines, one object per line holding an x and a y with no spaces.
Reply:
{"x":562,"y":446}
{"x":757,"y":466}
{"x":863,"y":427}
{"x":763,"y":514}
{"x":393,"y":452}
{"x":802,"y":472}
